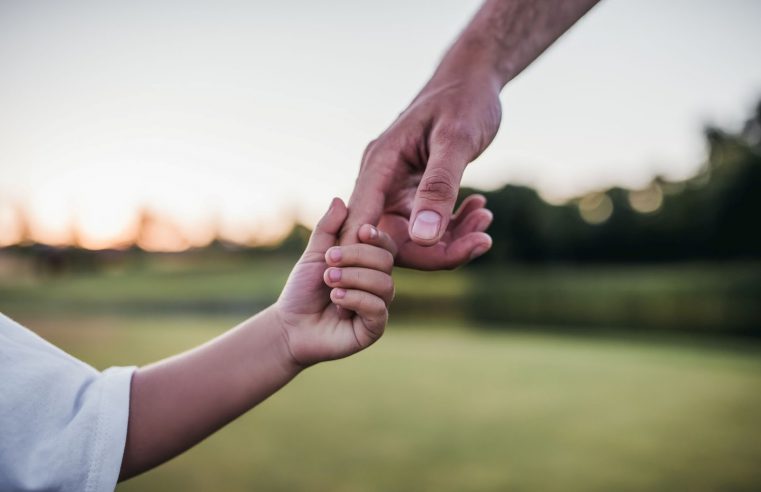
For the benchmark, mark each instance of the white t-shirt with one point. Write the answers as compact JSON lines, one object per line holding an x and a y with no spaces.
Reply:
{"x":63,"y":424}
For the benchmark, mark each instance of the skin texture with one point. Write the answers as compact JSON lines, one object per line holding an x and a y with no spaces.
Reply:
{"x":416,"y":165}
{"x":177,"y":402}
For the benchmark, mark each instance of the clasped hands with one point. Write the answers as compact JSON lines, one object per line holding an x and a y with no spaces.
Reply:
{"x":410,"y":176}
{"x":335,"y":302}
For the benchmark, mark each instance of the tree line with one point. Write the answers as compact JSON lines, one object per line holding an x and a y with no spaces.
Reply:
{"x":712,"y":216}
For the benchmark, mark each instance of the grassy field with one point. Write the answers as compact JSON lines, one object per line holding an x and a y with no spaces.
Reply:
{"x":458,"y":409}
{"x":713,"y":297}
{"x":177,"y":284}
{"x":441,"y":403}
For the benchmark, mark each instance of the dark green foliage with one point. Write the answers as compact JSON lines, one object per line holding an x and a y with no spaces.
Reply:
{"x":713,"y":216}
{"x":712,"y":298}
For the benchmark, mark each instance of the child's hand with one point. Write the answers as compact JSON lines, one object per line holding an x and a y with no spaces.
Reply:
{"x":335,"y":301}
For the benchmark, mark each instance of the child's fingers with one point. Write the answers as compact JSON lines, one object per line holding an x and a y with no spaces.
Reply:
{"x":370,"y":308}
{"x":362,"y":255}
{"x":325,"y":232}
{"x":372,"y":281}
{"x":369,"y":234}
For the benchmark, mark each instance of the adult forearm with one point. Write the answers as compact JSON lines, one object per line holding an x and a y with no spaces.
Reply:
{"x":177,"y":402}
{"x":505,"y":36}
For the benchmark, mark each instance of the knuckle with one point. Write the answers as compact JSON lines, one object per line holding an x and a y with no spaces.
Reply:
{"x":363,"y":303}
{"x":351,"y":255}
{"x":438,"y":185}
{"x":376,"y":306}
{"x":310,"y":256}
{"x":369,"y":148}
{"x":376,"y":327}
{"x":378,"y":152}
{"x":456,"y":133}
{"x":388,"y":261}
{"x":359,"y":255}
{"x":389,"y":287}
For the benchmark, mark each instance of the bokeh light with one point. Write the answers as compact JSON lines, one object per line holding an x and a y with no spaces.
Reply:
{"x":595,"y":208}
{"x":648,"y":200}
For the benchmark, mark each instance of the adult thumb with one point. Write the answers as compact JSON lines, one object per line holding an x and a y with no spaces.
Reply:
{"x":435,"y":197}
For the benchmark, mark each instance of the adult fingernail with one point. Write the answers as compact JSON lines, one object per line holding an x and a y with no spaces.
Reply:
{"x":335,"y":254}
{"x":426,"y":225}
{"x":373,"y":232}
{"x":479,"y":251}
{"x":334,"y":274}
{"x":339,"y":293}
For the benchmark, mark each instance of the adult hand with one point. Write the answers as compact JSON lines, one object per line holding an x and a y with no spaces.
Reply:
{"x":410,"y":176}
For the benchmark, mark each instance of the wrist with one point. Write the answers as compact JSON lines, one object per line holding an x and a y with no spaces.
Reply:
{"x":467,"y":63}
{"x":280,"y":328}
{"x":280,"y":342}
{"x":467,"y":67}
{"x":484,"y":48}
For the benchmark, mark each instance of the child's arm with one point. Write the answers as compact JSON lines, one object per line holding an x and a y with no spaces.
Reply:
{"x":177,"y":402}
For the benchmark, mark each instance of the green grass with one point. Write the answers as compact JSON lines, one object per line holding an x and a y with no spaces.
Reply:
{"x":456,"y":409}
{"x":175,"y":284}
{"x":451,"y":407}
{"x":710,"y":297}
{"x":132,"y":286}
{"x":707,"y":297}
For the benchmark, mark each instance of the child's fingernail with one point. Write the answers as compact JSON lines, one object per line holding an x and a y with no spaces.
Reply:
{"x":373,"y":232}
{"x":334,"y":274}
{"x":426,"y":225}
{"x":335,"y":254}
{"x":339,"y":293}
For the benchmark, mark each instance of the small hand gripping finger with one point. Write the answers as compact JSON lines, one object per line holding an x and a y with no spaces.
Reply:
{"x":372,"y":281}
{"x":370,"y":308}
{"x":376,"y":251}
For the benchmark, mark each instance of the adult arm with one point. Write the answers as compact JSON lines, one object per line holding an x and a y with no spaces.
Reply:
{"x":505,"y":36}
{"x":410,"y":175}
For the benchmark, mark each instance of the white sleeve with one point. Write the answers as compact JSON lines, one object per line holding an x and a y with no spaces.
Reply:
{"x":63,"y":424}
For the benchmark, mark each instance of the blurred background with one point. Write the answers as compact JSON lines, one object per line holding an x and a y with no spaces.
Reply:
{"x":161,"y":164}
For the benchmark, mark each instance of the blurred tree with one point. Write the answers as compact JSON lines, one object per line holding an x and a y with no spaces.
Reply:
{"x":712,"y":216}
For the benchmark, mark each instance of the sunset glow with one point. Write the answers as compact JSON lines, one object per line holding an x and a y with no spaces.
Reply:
{"x":247,"y":118}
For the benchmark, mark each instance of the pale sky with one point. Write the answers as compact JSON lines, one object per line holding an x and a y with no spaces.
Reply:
{"x":251,"y":112}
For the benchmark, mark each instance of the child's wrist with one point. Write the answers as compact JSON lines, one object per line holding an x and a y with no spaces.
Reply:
{"x":284,"y":351}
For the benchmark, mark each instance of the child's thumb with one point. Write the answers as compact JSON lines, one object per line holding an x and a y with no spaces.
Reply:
{"x":325,"y":233}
